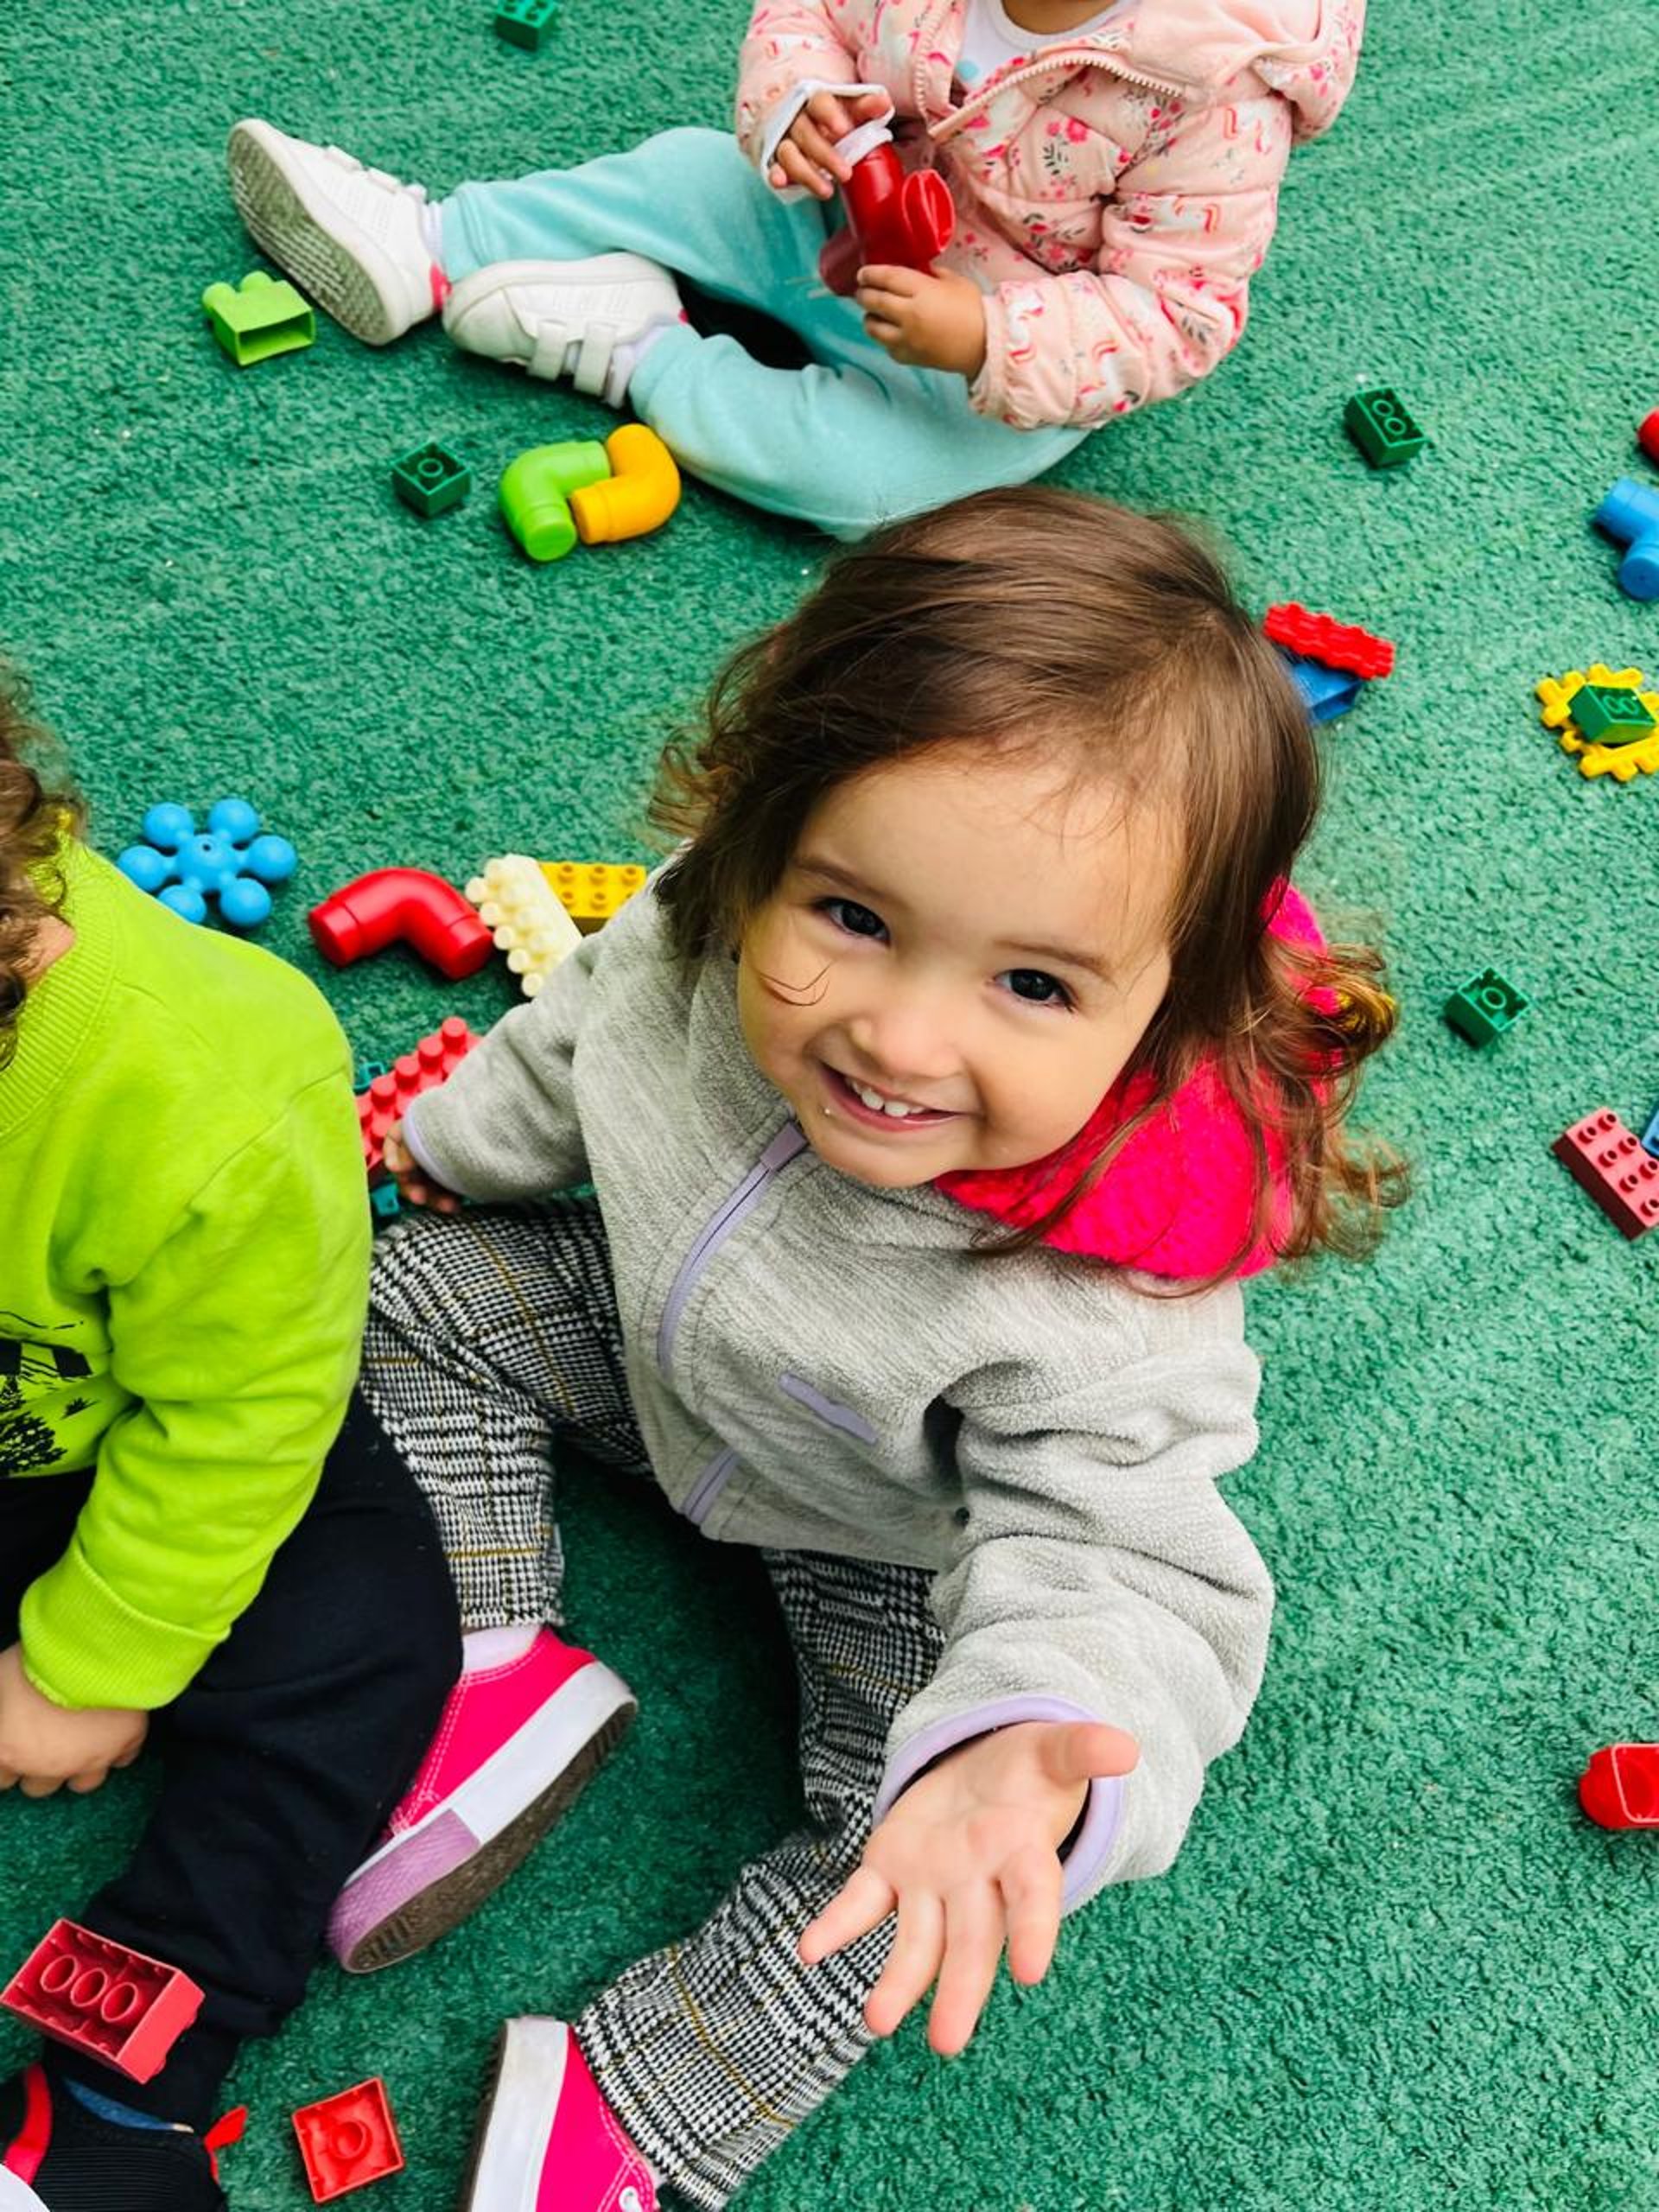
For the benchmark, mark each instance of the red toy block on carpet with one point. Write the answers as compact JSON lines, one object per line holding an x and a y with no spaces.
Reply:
{"x":1322,"y":638}
{"x":387,"y":1098}
{"x":95,"y":1994}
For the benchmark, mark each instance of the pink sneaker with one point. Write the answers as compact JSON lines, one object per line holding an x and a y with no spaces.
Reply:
{"x":549,"y":2141}
{"x":515,"y":1748}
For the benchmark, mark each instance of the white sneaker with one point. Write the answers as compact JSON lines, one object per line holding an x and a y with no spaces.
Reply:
{"x":583,"y":318}
{"x":355,"y":239}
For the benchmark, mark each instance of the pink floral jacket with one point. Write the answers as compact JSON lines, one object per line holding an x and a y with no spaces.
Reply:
{"x":1114,"y":194}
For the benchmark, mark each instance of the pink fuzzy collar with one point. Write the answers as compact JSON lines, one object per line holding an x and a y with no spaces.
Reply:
{"x":1176,"y":1200}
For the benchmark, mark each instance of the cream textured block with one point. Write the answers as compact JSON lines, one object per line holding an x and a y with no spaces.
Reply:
{"x":515,"y":901}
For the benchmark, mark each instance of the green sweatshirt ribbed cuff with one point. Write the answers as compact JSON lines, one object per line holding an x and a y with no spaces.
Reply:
{"x":84,"y":1645}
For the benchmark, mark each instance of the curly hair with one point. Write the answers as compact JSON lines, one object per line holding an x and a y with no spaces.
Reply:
{"x":38,"y":809}
{"x":1040,"y":618}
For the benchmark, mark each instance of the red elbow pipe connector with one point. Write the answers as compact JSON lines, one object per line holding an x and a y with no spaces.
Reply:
{"x":1648,"y":437}
{"x":392,"y":905}
{"x":891,"y":218}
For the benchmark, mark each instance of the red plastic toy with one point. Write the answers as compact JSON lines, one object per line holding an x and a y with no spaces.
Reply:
{"x":1322,"y":638}
{"x":904,"y":220}
{"x":97,"y":1995}
{"x":1601,"y":1154}
{"x":386,"y":1100}
{"x":348,"y":2140}
{"x":1620,"y":1787}
{"x":407,"y":905}
{"x":1648,"y":437}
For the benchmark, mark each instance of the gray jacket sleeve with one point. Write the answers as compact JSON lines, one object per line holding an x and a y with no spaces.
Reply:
{"x":1100,"y":1576}
{"x":505,"y":1125}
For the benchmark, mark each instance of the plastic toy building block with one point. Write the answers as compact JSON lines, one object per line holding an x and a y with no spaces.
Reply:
{"x":1651,"y":1134}
{"x":531,"y":927}
{"x":392,"y":905}
{"x":1322,"y":638}
{"x":1623,"y":761}
{"x":1648,"y":437}
{"x":385,"y":1204}
{"x":260,"y":316}
{"x":348,"y":2140}
{"x":1630,"y":516}
{"x":1379,"y":425}
{"x":1327,"y":692}
{"x":528,"y":23}
{"x":1600,"y":1154}
{"x":640,"y":493}
{"x":431,"y":479}
{"x":905,"y":220}
{"x":232,"y":863}
{"x":1619,"y":1789}
{"x":1484,"y":1006}
{"x":95,"y":1994}
{"x":591,"y":891}
{"x":536,"y":492}
{"x":1606,"y":715}
{"x":433,"y":1061}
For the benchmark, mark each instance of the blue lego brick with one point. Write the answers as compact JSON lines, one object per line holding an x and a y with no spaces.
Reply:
{"x":1651,"y":1134}
{"x":1327,"y":692}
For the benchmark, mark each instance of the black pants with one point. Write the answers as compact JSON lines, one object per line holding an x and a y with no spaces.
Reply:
{"x":281,"y":1760}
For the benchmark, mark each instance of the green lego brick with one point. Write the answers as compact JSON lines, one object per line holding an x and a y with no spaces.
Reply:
{"x":1484,"y":1007}
{"x":430,"y":480}
{"x":368,"y":1071}
{"x":1379,"y":425}
{"x":1606,"y":715}
{"x":261,"y":316}
{"x":528,"y":23}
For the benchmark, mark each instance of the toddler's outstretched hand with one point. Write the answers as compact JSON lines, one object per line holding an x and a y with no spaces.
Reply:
{"x":806,"y":152}
{"x":42,"y":1745}
{"x":926,"y":321}
{"x":969,"y":1859}
{"x":413,"y":1185}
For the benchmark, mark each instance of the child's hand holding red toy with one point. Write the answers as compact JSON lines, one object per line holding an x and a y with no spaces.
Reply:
{"x":935,"y":322}
{"x":806,"y":152}
{"x":415,"y":1186}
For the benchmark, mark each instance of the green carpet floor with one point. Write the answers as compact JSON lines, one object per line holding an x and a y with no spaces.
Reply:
{"x":1394,"y":1967}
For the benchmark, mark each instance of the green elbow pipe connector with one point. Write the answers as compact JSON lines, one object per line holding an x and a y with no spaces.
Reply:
{"x":535,"y":494}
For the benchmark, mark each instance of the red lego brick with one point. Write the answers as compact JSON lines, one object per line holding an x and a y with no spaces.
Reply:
{"x":1322,"y":638}
{"x":98,"y":1996}
{"x":349,"y":2141}
{"x":1601,"y":1154}
{"x":1620,"y":1787}
{"x":387,"y":1098}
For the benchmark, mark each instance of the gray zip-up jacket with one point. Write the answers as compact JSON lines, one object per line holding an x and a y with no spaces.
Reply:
{"x":821,"y":1366}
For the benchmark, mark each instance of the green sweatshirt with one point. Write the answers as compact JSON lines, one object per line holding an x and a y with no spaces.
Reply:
{"x":184,"y":1258}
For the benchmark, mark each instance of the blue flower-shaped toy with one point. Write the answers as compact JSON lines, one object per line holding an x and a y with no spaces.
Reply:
{"x":232,"y":863}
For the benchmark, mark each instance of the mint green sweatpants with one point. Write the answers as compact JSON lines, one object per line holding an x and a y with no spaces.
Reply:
{"x":849,"y":442}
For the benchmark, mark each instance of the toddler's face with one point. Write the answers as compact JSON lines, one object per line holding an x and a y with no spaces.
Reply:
{"x":956,"y":936}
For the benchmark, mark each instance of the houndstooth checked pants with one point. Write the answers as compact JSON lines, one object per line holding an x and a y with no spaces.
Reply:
{"x":493,"y":1336}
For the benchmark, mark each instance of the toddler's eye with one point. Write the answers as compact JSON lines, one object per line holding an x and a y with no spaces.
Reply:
{"x":1036,"y":987}
{"x":857,"y":920}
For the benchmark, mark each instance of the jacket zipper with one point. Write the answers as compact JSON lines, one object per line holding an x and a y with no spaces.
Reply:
{"x":707,"y":1488}
{"x":939,"y":132}
{"x":782,"y":1149}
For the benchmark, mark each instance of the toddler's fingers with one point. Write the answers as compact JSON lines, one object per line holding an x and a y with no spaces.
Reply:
{"x":830,"y":109}
{"x":885,"y":334}
{"x":798,"y":169}
{"x":908,"y":1974}
{"x":81,"y":1785}
{"x":973,"y":1944}
{"x":8,"y":1777}
{"x":40,"y":1785}
{"x":862,"y":1903}
{"x":1032,"y":1889}
{"x":810,"y":141}
{"x":900,"y":283}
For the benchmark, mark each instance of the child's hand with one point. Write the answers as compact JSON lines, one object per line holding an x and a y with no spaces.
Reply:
{"x":41,"y":1745}
{"x":969,"y":1859}
{"x":924,"y":322}
{"x":413,"y":1185}
{"x":807,"y":150}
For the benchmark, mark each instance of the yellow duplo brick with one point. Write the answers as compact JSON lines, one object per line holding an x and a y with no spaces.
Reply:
{"x":592,"y":891}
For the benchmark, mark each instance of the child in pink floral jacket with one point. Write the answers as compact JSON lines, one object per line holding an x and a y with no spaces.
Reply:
{"x":1115,"y":174}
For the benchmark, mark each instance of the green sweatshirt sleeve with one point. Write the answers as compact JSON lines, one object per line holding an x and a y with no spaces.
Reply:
{"x":239,"y":1340}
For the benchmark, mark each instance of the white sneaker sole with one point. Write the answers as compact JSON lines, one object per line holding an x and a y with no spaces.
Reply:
{"x":346,"y":271}
{"x":517,"y":2120}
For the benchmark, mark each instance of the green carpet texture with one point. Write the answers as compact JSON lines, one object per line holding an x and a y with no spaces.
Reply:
{"x":1394,"y":1966}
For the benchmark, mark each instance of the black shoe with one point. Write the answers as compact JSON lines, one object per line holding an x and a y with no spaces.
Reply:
{"x":56,"y":2154}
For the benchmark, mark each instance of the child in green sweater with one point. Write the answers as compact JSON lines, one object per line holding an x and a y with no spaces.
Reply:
{"x":183,"y":1278}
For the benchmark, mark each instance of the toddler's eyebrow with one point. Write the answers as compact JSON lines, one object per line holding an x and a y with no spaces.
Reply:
{"x":1067,"y":955}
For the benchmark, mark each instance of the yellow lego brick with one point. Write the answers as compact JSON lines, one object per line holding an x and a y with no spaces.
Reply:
{"x":591,"y":891}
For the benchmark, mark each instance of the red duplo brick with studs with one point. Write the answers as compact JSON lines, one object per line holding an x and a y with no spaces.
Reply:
{"x":1322,"y":638}
{"x":348,"y":2140}
{"x":387,"y":1099}
{"x":1607,"y":1159}
{"x":93,"y":1993}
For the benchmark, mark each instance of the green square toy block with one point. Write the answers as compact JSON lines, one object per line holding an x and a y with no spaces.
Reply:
{"x":430,"y":480}
{"x":1604,"y":716}
{"x":528,"y":23}
{"x":1377,"y":422}
{"x":1484,"y":1006}
{"x":260,"y":316}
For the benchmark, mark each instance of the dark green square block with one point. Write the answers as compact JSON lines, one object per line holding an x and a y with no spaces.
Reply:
{"x":1606,"y":716}
{"x":528,"y":23}
{"x":1484,"y":1006}
{"x":431,"y":480}
{"x":1379,"y":425}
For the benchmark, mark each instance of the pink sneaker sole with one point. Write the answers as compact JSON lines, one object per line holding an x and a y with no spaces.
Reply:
{"x":422,"y":1884}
